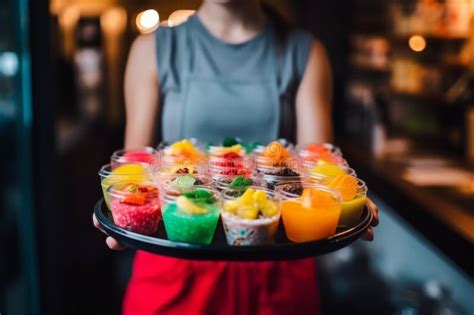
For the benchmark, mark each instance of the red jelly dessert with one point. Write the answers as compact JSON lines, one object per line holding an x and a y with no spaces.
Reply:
{"x":135,"y":207}
{"x":230,"y":161}
{"x":145,"y":155}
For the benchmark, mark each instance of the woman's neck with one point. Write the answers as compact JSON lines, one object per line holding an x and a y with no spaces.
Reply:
{"x":234,"y":21}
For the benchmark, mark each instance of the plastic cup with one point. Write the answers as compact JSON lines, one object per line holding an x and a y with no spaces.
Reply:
{"x":182,"y":165}
{"x":305,"y":223}
{"x":352,"y":209}
{"x":244,"y":232}
{"x":317,"y":178}
{"x":134,"y":209}
{"x":223,"y":182}
{"x":241,"y":165}
{"x":276,"y":175}
{"x":146,"y":155}
{"x":192,"y":228}
{"x":131,"y":172}
{"x":169,"y":181}
{"x":305,"y":151}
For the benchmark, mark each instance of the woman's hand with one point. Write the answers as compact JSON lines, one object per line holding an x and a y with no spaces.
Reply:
{"x":110,"y":241}
{"x":369,"y":234}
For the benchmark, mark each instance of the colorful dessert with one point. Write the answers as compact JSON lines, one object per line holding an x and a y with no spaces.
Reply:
{"x":187,"y":181}
{"x":314,"y":152}
{"x":277,"y":165}
{"x":229,"y":159}
{"x":145,"y":155}
{"x":275,"y":154}
{"x":312,"y":216}
{"x":174,"y":185}
{"x":323,"y":170}
{"x":238,"y":183}
{"x":123,"y":173}
{"x":135,"y":207}
{"x":231,"y":144}
{"x":182,"y":157}
{"x":251,"y":218}
{"x":353,"y":193}
{"x":183,"y":149}
{"x":192,"y":217}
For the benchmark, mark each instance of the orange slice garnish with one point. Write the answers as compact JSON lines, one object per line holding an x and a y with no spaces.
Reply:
{"x":345,"y":184}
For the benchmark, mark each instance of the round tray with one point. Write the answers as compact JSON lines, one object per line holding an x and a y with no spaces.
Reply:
{"x":282,"y":249}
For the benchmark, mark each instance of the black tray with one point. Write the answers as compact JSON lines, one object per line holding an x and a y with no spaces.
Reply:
{"x":282,"y":249}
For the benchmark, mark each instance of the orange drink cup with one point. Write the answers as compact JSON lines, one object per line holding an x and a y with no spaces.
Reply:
{"x":312,"y":216}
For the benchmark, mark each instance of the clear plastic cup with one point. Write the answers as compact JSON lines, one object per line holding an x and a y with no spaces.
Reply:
{"x":309,"y":163}
{"x":188,"y":227}
{"x":310,"y":219}
{"x":131,"y":172}
{"x":182,"y":165}
{"x":223,"y":182}
{"x":312,"y":154}
{"x":275,"y":175}
{"x":317,"y":178}
{"x":352,"y":209}
{"x":173,"y":181}
{"x":239,"y":165}
{"x":240,"y":231}
{"x":146,"y":155}
{"x":135,"y":206}
{"x":292,"y":187}
{"x":308,"y":150}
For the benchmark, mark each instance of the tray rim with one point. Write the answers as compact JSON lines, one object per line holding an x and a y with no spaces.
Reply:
{"x":350,"y":235}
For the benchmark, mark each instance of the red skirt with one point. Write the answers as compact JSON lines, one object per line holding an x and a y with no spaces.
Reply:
{"x":168,"y":286}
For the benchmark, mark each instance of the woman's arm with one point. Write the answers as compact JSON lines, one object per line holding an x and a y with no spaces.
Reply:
{"x":313,"y":98}
{"x":141,"y":102}
{"x":313,"y":109}
{"x":141,"y":93}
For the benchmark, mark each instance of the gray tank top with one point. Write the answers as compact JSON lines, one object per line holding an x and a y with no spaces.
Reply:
{"x":211,"y":89}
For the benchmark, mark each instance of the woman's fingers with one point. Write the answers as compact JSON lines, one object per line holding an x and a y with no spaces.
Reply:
{"x":375,"y":211}
{"x":369,"y":235}
{"x":113,"y":244}
{"x":110,"y":241}
{"x":97,"y":224}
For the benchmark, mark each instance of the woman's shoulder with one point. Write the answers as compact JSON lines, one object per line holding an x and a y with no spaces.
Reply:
{"x":169,"y":32}
{"x":297,"y":49}
{"x":299,"y":39}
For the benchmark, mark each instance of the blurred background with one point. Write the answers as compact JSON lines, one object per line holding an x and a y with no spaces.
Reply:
{"x":403,"y":116}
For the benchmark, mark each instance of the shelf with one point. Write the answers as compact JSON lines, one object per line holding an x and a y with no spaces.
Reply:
{"x":370,"y":69}
{"x":437,"y":37}
{"x":418,"y":98}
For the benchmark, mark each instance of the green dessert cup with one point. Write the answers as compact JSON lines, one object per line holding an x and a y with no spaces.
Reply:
{"x":183,"y":224}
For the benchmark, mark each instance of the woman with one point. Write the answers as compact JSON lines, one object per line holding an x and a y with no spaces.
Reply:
{"x":232,"y":69}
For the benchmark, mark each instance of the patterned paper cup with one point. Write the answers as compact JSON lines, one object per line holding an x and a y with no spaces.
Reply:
{"x":240,"y":231}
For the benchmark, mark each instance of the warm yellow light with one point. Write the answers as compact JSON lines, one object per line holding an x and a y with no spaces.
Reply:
{"x":417,"y":43}
{"x":179,"y":16}
{"x":147,"y":21}
{"x":114,"y":20}
{"x":69,"y":17}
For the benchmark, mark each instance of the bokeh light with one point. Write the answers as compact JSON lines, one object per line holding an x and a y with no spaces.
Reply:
{"x":417,"y":43}
{"x":147,"y":21}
